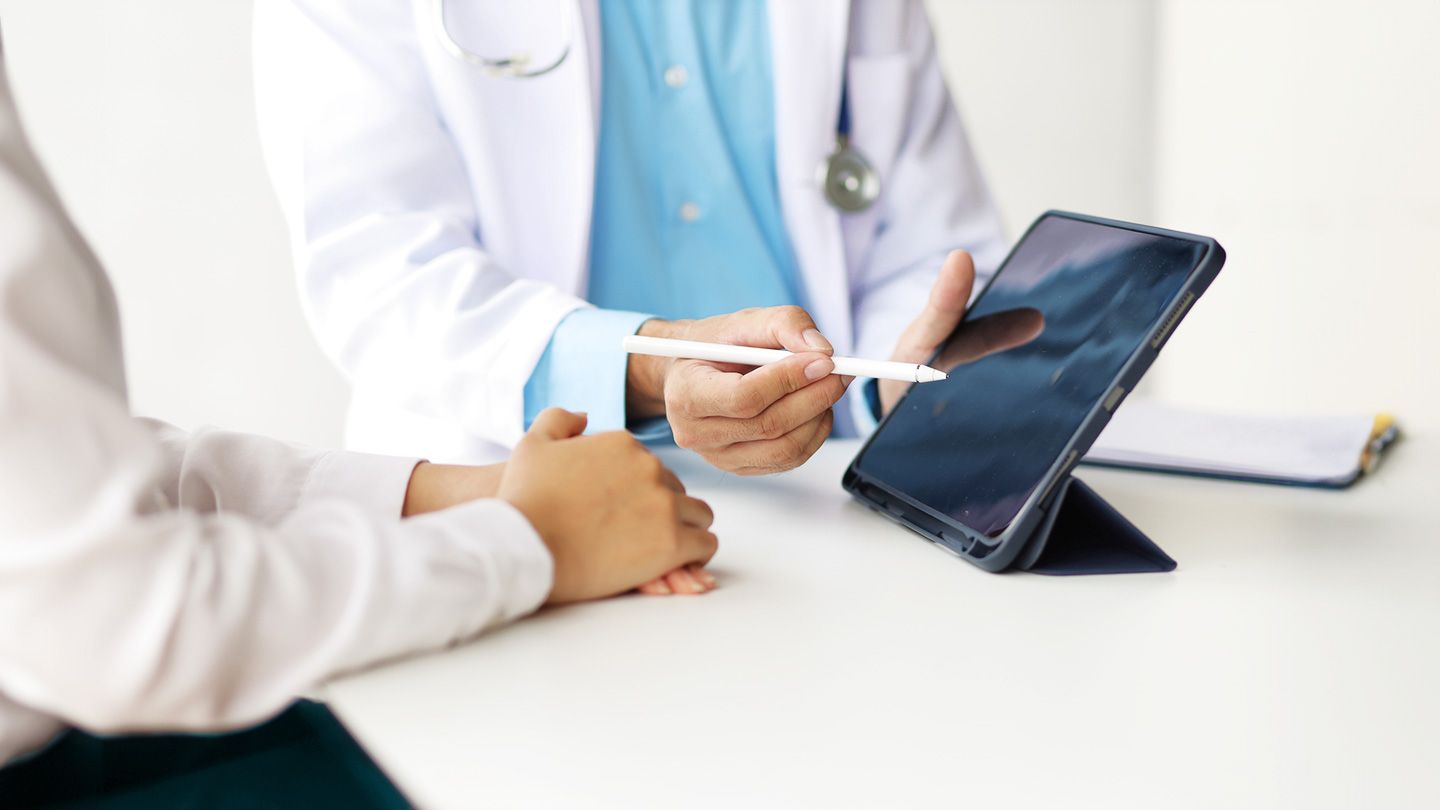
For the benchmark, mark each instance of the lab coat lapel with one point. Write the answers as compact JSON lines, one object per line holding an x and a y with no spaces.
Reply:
{"x":808,"y":47}
{"x":587,"y":103}
{"x":590,"y":23}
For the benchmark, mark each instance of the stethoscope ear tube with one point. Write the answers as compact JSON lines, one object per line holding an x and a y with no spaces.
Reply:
{"x":514,"y":66}
{"x":849,"y":182}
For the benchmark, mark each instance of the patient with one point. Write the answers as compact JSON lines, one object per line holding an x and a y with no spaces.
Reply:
{"x":154,"y":581}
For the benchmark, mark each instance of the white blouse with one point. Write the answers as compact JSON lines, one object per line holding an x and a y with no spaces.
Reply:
{"x":156,"y":580}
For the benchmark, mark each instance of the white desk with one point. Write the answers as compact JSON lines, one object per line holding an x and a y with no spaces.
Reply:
{"x":1293,"y":660}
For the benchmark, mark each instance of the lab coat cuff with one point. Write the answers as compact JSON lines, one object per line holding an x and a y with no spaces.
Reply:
{"x":373,"y":483}
{"x":516,"y":562}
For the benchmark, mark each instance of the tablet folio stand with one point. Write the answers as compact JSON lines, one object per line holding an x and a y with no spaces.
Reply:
{"x":1082,"y":534}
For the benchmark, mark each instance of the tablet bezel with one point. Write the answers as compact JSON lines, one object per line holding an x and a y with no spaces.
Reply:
{"x":995,"y":554}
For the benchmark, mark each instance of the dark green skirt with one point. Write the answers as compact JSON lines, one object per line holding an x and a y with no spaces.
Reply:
{"x":302,"y":758}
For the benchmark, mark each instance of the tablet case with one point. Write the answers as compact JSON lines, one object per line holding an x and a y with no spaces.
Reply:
{"x":1078,"y":533}
{"x":1082,"y":534}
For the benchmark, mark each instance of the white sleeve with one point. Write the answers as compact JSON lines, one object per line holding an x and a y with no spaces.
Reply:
{"x":212,"y":470}
{"x":394,"y":277}
{"x":131,"y":595}
{"x":936,"y":200}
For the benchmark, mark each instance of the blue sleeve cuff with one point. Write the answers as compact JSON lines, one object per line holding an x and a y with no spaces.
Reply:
{"x":865,"y":409}
{"x":583,"y":368}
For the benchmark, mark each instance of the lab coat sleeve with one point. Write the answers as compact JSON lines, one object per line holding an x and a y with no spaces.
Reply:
{"x":132,"y":596}
{"x":394,"y":278}
{"x":935,"y":200}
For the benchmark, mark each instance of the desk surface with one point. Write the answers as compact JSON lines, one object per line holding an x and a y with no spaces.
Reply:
{"x":1291,"y":661}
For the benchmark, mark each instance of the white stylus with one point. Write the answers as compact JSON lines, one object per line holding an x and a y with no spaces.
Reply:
{"x":751,"y":356}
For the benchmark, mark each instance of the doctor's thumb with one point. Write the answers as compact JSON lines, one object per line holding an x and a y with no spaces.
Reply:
{"x":554,"y":424}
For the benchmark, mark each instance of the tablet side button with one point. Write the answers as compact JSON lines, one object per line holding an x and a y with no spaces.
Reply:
{"x":1116,"y":394}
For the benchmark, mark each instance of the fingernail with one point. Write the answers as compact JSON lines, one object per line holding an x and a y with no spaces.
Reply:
{"x":815,"y":340}
{"x":706,"y":577}
{"x":662,"y":588}
{"x":819,"y":368}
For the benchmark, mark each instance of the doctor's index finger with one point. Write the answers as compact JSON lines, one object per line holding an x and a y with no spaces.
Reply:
{"x":713,"y":392}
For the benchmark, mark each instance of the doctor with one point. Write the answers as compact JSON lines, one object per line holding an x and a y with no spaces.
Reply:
{"x":485,"y":197}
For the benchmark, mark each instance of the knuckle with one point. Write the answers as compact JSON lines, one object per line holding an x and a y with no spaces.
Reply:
{"x":655,"y":503}
{"x":792,"y":453}
{"x":673,"y":401}
{"x":798,"y":317}
{"x":789,"y":452}
{"x":706,"y":510}
{"x":769,"y":425}
{"x":747,"y":403}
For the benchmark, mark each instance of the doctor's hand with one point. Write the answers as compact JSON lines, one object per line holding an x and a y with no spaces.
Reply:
{"x":744,"y":420}
{"x":943,"y":312}
{"x":612,"y":515}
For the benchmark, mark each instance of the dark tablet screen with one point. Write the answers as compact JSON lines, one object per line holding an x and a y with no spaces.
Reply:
{"x":975,"y":446}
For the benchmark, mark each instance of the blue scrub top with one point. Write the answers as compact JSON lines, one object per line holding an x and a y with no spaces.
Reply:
{"x":687,"y":220}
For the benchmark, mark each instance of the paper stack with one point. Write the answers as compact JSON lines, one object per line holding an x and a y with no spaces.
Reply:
{"x":1323,"y":451}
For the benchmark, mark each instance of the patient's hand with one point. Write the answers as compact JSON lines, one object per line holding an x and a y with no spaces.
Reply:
{"x":692,"y":579}
{"x":612,"y":515}
{"x":440,"y":486}
{"x":943,"y":312}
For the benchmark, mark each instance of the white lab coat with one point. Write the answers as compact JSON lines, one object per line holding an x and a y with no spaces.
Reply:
{"x":154,"y":580}
{"x":441,"y":216}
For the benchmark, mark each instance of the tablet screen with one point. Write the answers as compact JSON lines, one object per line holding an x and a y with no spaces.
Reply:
{"x":976,"y":445}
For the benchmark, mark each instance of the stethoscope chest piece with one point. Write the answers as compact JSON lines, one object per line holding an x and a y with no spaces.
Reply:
{"x":850,"y":182}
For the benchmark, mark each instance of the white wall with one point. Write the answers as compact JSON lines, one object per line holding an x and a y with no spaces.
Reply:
{"x":143,"y":113}
{"x":1059,"y":98}
{"x":1302,"y":134}
{"x":1305,"y":135}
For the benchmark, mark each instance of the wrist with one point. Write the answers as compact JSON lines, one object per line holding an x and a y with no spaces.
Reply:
{"x":440,"y":486}
{"x":645,"y":375}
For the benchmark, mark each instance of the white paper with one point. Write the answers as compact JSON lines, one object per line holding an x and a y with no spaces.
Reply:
{"x":1315,"y":449}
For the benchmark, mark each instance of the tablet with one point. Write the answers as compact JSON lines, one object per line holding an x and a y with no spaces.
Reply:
{"x":970,"y":462}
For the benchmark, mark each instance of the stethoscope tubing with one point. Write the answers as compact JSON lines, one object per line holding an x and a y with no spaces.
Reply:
{"x":848,"y":181}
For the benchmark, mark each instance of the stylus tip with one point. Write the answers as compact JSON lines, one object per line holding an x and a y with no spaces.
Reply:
{"x":927,"y":374}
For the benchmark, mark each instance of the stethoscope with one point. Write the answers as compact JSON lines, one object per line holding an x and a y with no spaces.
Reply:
{"x":848,"y":180}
